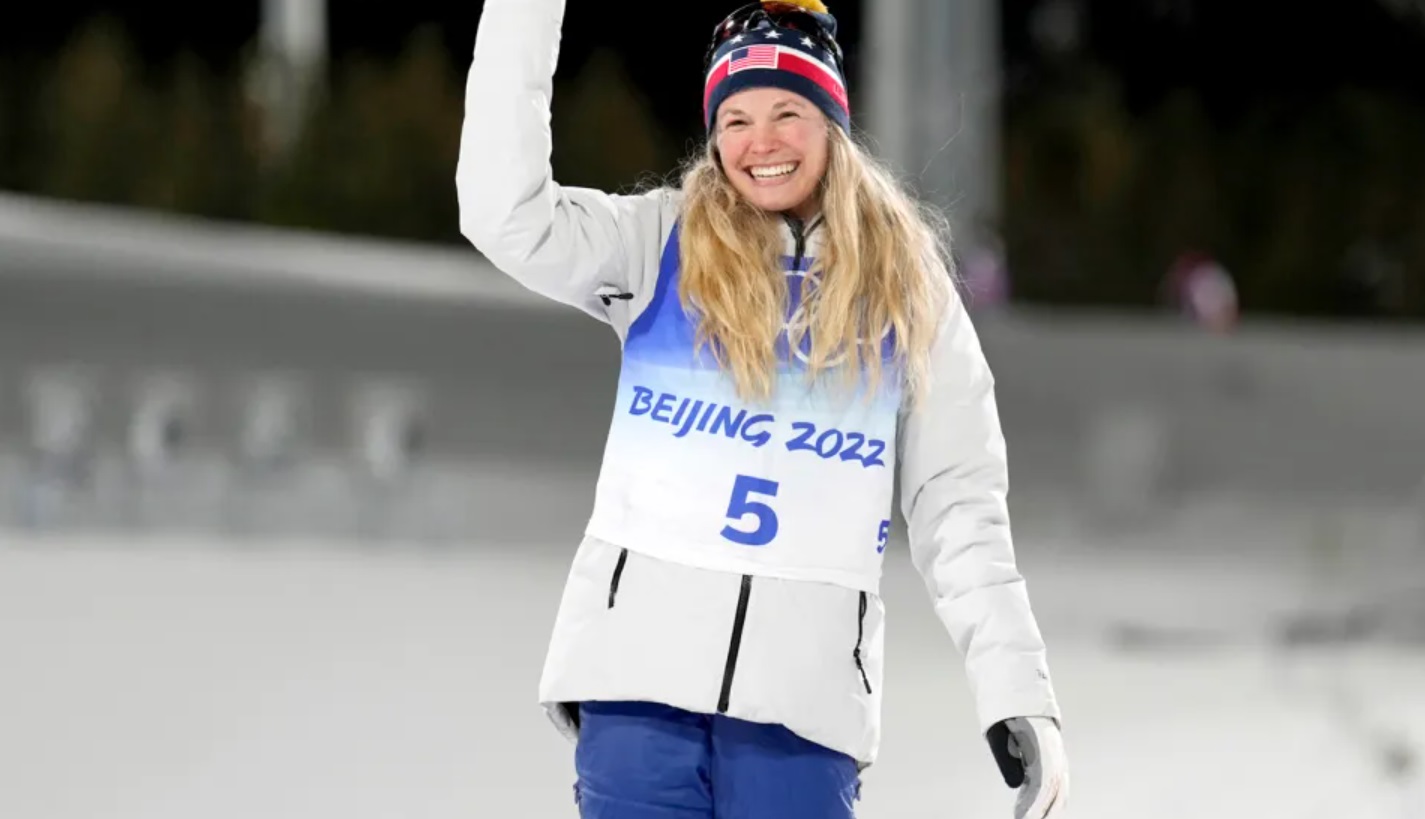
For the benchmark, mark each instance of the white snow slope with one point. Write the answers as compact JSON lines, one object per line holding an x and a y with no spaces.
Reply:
{"x":192,"y":679}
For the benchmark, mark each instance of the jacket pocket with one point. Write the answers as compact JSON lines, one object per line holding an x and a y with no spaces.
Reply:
{"x":618,"y":573}
{"x":860,"y":634}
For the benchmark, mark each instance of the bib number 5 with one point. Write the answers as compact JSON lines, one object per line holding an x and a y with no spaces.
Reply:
{"x":742,"y":506}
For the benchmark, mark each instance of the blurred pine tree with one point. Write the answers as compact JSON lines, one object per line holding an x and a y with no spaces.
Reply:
{"x":1315,"y":207}
{"x":605,"y":133}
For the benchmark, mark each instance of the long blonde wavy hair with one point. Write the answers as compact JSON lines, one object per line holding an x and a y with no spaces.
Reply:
{"x":884,"y":267}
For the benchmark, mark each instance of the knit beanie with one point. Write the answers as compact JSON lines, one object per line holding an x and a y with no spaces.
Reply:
{"x":788,"y":45}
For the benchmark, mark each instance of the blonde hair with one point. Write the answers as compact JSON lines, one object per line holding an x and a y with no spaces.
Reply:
{"x":884,"y":268}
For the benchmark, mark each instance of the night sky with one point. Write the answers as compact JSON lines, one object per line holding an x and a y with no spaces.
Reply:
{"x":1234,"y":53}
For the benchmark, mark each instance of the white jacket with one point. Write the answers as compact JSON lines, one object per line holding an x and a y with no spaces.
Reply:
{"x":653,"y":609}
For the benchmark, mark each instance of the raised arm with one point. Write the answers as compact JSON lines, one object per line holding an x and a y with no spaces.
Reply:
{"x":558,"y":241}
{"x":954,"y":484}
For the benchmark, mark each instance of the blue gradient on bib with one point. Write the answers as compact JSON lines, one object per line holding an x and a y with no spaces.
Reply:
{"x":664,"y":335}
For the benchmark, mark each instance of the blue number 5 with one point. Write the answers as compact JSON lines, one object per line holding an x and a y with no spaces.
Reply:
{"x":882,"y":536}
{"x":741,"y":506}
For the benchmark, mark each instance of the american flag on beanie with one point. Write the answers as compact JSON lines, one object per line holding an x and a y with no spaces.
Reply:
{"x":757,"y":56}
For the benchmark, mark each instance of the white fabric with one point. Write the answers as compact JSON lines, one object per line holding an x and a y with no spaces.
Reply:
{"x":667,"y":637}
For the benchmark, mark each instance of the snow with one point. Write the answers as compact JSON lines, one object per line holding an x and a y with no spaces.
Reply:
{"x":187,"y":678}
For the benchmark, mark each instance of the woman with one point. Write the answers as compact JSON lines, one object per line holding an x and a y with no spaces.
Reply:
{"x":791,"y":344}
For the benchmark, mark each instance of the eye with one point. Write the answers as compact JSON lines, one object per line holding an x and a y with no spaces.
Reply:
{"x":733,"y":123}
{"x":789,"y":115}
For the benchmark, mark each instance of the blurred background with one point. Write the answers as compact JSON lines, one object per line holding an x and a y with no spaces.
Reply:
{"x":290,"y":477}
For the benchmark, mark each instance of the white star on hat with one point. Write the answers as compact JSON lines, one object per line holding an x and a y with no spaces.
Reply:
{"x":806,"y":41}
{"x":772,"y":35}
{"x":738,"y":38}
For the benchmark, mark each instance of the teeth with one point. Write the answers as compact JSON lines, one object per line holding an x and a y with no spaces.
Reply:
{"x":769,"y":171}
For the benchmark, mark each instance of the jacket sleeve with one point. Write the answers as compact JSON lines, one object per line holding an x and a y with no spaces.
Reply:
{"x":562,"y":242}
{"x":954,"y":485}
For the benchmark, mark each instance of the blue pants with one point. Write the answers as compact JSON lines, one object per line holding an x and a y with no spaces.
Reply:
{"x":646,"y":761}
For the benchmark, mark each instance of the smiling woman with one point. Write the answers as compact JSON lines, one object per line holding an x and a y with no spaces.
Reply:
{"x":792,"y":345}
{"x":773,"y":147}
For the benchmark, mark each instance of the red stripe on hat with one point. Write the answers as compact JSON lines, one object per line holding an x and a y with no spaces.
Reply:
{"x":719,"y":73}
{"x":791,"y":61}
{"x":797,"y":64}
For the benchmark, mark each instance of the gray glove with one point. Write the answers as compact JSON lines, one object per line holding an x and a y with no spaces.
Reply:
{"x":1031,"y":758}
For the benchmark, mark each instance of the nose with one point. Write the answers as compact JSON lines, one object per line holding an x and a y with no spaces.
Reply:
{"x":764,"y":138}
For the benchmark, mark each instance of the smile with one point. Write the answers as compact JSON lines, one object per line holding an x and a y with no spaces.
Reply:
{"x":774,"y":171}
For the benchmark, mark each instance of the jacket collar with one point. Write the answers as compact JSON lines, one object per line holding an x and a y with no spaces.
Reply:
{"x":804,"y":239}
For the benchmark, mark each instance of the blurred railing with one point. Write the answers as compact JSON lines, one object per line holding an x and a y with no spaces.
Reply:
{"x":169,"y":374}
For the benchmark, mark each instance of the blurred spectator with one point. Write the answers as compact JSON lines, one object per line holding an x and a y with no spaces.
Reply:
{"x":160,"y":426}
{"x":984,"y":271}
{"x":389,"y":430}
{"x":1202,"y":290}
{"x":61,"y":430}
{"x":271,"y":425}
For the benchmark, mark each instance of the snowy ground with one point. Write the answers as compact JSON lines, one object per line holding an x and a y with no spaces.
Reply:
{"x":184,"y":680}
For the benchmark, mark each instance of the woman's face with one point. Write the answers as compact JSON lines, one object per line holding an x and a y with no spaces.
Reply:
{"x":773,"y":145}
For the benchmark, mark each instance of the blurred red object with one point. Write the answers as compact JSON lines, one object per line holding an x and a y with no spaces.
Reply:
{"x":1203,"y":290}
{"x":985,"y":274}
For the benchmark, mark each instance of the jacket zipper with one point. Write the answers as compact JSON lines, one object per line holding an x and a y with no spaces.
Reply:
{"x":801,"y":238}
{"x":800,"y":232}
{"x":856,"y":652}
{"x":725,"y":697}
{"x":740,"y":619}
{"x":618,"y":572}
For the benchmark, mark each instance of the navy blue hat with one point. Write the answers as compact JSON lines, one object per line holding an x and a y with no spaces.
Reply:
{"x":788,"y":45}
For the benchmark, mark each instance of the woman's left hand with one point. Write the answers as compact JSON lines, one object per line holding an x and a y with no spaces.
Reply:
{"x":1030,"y":754}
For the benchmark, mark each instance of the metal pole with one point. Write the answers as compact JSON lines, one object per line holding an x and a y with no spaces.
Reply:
{"x":886,"y":75}
{"x":975,"y":73}
{"x":932,"y":76}
{"x":293,"y":40}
